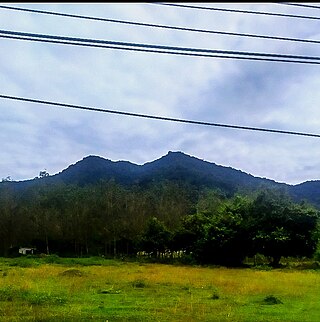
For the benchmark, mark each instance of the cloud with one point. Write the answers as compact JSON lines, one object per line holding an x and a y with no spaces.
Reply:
{"x":260,"y":94}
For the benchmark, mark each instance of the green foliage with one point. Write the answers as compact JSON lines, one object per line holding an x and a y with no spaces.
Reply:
{"x":27,"y":261}
{"x":219,"y":236}
{"x":156,"y":237}
{"x":210,"y":201}
{"x":268,"y":223}
{"x":52,"y":259}
{"x":114,"y":221}
{"x":317,"y":251}
{"x":189,"y":233}
{"x":281,"y":228}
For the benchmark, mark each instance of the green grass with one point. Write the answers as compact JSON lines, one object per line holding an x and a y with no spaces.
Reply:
{"x":95,"y":289}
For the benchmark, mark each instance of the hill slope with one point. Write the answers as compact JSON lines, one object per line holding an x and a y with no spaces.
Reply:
{"x":175,"y":166}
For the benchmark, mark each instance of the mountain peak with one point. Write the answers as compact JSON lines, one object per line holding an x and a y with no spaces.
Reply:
{"x":170,"y":159}
{"x":176,"y":154}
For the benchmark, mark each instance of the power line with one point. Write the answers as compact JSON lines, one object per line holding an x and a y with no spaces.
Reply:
{"x":186,"y":51}
{"x":154,"y":117}
{"x":236,"y":10}
{"x":176,"y":28}
{"x":161,"y":47}
{"x":299,"y":5}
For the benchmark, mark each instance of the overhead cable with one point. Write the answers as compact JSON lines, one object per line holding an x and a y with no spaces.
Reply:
{"x":186,"y":51}
{"x":235,"y":10}
{"x":299,"y":5}
{"x":176,"y":28}
{"x":154,"y":117}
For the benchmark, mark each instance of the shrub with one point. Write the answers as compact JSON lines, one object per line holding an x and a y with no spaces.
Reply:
{"x":271,"y":300}
{"x":52,"y":259}
{"x":139,"y":283}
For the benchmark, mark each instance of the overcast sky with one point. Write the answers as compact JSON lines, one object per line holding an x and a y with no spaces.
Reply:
{"x":282,"y":96}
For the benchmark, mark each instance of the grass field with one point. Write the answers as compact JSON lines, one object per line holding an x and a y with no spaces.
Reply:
{"x":108,"y":290}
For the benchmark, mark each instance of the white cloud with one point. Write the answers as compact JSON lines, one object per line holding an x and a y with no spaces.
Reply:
{"x":260,"y":94}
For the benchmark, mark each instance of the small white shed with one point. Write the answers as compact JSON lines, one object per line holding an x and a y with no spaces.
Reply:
{"x":26,"y":250}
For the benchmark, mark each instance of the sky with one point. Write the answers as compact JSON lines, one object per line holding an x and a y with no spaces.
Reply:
{"x":273,"y":95}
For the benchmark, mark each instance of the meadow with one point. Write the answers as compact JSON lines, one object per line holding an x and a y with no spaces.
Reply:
{"x":96,"y":289}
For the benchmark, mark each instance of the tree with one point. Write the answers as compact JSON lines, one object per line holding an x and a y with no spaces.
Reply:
{"x":43,"y":174}
{"x":156,"y":238}
{"x":223,"y":239}
{"x":8,"y":222}
{"x":210,"y":201}
{"x":169,"y":202}
{"x":188,"y":236}
{"x":279,"y":227}
{"x":268,"y":223}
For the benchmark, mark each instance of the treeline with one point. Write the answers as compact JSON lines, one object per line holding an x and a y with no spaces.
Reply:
{"x":101,"y":219}
{"x":163,"y":218}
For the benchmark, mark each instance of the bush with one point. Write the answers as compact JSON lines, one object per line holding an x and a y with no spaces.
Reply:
{"x":24,"y":262}
{"x":317,"y":254}
{"x":139,"y":283}
{"x":271,"y":300}
{"x":52,"y":259}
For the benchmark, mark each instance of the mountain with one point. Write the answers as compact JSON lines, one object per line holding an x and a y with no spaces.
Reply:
{"x":309,"y":190}
{"x":182,"y":167}
{"x":93,"y":168}
{"x":175,"y":166}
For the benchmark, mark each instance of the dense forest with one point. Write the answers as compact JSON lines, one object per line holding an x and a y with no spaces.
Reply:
{"x":162,"y":217}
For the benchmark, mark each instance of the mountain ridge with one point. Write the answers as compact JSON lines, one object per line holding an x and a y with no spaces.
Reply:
{"x":174,"y":166}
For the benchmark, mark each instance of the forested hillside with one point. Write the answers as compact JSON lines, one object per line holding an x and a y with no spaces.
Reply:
{"x":177,"y":203}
